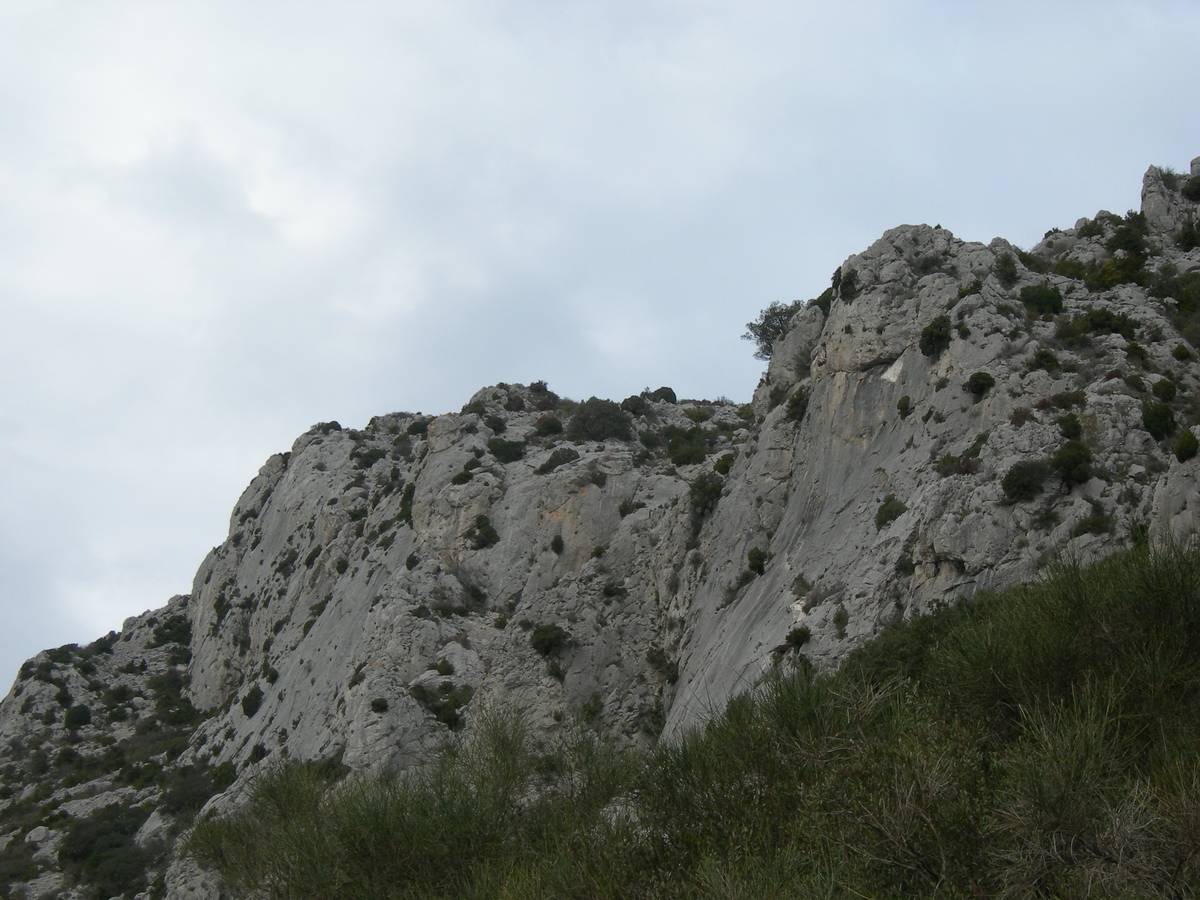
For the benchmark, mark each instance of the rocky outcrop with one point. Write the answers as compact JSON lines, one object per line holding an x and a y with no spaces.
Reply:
{"x":630,"y":569}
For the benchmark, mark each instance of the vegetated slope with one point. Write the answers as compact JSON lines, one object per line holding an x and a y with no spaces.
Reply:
{"x":940,"y":421}
{"x":1035,"y":742}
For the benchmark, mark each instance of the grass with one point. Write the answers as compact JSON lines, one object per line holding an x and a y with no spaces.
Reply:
{"x":1033,"y":743}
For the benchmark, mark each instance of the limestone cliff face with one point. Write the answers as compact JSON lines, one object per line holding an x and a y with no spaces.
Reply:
{"x":378,"y":587}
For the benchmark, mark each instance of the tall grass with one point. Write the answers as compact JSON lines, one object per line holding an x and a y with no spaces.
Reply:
{"x":1038,"y":742}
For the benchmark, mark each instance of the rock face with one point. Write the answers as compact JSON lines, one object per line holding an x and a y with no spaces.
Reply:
{"x":380,"y":586}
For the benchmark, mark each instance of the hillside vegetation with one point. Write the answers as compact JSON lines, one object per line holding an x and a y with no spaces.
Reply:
{"x":1037,"y":742}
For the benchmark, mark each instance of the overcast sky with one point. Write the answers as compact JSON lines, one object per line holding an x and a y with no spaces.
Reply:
{"x":223,"y":222}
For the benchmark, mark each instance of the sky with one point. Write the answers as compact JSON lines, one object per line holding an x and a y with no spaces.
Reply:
{"x":223,"y":222}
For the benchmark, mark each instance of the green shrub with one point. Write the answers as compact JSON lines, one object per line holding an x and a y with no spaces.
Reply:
{"x":548,"y":425}
{"x":252,"y":701}
{"x":846,"y":284}
{"x":1191,"y":189}
{"x":1181,"y":352}
{"x":1185,"y":445}
{"x":1024,"y":480}
{"x":635,"y":405}
{"x":101,"y":851}
{"x":548,"y":639}
{"x":756,"y":560}
{"x":1005,"y":270}
{"x":1072,"y":462}
{"x":841,"y":618}
{"x":1157,"y":419}
{"x":77,"y":716}
{"x":406,"y":502}
{"x":559,"y":457}
{"x":1044,"y":359}
{"x":979,"y":384}
{"x":889,"y":510}
{"x":1070,"y":427}
{"x":599,"y":420}
{"x":771,"y":325}
{"x":1187,"y":238}
{"x":1164,"y":389}
{"x":703,"y":495}
{"x":797,"y":405}
{"x":797,"y":637}
{"x":935,"y":337}
{"x":685,"y":448}
{"x":506,"y":451}
{"x":1042,"y":299}
{"x":724,"y":463}
{"x":482,"y":534}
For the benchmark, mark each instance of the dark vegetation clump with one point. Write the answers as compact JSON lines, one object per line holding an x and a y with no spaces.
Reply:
{"x":548,"y":639}
{"x":599,"y":420}
{"x":1034,"y":743}
{"x":1042,"y":299}
{"x":979,"y":384}
{"x":770,"y":326}
{"x":1024,"y":480}
{"x":935,"y":337}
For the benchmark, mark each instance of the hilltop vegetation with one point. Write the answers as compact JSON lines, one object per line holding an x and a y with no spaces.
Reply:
{"x":1035,"y":742}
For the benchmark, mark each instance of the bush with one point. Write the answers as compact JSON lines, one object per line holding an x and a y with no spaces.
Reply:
{"x":252,"y":701}
{"x":77,"y":716}
{"x":1191,"y":189}
{"x":770,"y":326}
{"x":935,"y":337}
{"x":686,"y":448}
{"x":889,"y":510}
{"x":703,"y":495}
{"x":101,"y":851}
{"x":1185,"y":445}
{"x":1074,"y":332}
{"x":1042,"y":299}
{"x":1044,"y":359}
{"x":1005,"y":270}
{"x":548,"y":639}
{"x":846,"y":284}
{"x":979,"y":384}
{"x":599,"y":420}
{"x":548,"y":425}
{"x":756,"y":560}
{"x":1187,"y":238}
{"x":1181,"y":353}
{"x":797,"y":405}
{"x":1157,"y":419}
{"x":559,"y":457}
{"x":635,"y":405}
{"x":1024,"y":480}
{"x":797,"y":638}
{"x":506,"y":451}
{"x":483,"y":535}
{"x":1073,"y":462}
{"x":1070,"y":427}
{"x":1164,"y":389}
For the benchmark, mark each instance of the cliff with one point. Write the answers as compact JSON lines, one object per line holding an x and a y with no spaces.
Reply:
{"x":941,"y":421}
